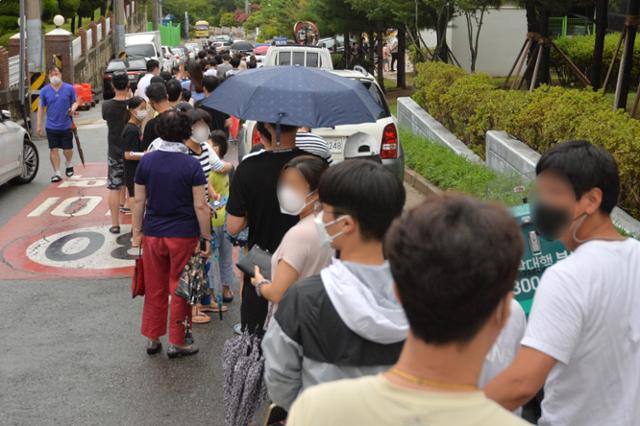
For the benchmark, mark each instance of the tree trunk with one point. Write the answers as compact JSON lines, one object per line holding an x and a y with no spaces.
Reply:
{"x":533,"y":26}
{"x":442,"y":50}
{"x":73,"y":24}
{"x":347,"y":50}
{"x":624,"y":76}
{"x":401,"y":81}
{"x":544,"y":75}
{"x":360,"y":48}
{"x":380,"y":65}
{"x":598,"y":49}
{"x":372,"y":43}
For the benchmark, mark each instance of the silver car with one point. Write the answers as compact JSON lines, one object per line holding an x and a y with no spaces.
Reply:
{"x":19,"y":158}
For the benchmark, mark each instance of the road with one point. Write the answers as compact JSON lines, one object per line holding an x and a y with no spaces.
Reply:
{"x":72,"y":352}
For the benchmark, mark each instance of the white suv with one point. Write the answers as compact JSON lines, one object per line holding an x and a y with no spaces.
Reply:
{"x":384,"y":131}
{"x":304,"y":56}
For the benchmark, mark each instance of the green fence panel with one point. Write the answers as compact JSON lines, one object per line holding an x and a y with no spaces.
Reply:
{"x":169,"y":34}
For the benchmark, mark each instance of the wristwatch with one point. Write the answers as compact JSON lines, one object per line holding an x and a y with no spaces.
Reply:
{"x":259,"y":286}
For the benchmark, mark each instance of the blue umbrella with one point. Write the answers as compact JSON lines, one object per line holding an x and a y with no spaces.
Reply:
{"x":296,"y":96}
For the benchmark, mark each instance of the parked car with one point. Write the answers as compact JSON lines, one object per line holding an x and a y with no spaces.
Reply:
{"x":19,"y":159}
{"x":146,"y":45}
{"x":306,"y":56}
{"x":384,"y":132}
{"x":336,"y":42}
{"x":134,"y":67}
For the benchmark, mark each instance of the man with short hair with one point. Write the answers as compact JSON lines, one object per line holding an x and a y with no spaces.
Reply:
{"x":219,"y":119}
{"x":153,"y":70}
{"x":346,"y":321}
{"x":583,"y":338}
{"x":454,"y":260}
{"x":59,"y":99}
{"x":253,"y":202}
{"x":174,"y":92}
{"x":234,"y":63}
{"x":159,"y":102}
{"x":224,"y":66}
{"x":115,"y":113}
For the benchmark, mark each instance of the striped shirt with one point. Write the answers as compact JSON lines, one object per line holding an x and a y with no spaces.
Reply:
{"x":217,"y":165}
{"x":314,"y":144}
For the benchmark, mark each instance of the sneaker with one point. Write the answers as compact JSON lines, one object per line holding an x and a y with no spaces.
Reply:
{"x":237,"y":329}
{"x":55,"y":178}
{"x":177,"y":352}
{"x":69,"y":171}
{"x":153,"y":347}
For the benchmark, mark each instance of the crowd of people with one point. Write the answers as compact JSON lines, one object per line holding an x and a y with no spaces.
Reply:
{"x":369,"y":315}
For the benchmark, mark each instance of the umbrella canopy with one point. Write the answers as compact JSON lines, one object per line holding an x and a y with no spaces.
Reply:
{"x":295,"y":96}
{"x":242,"y":46}
{"x":261,"y":50}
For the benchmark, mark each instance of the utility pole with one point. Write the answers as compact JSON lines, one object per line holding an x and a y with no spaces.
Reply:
{"x":118,"y":34}
{"x":22,"y":68}
{"x":35,"y":51}
{"x":624,"y":76}
{"x":155,"y":10}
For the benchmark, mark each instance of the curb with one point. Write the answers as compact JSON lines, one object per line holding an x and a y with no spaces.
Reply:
{"x":420,"y":184}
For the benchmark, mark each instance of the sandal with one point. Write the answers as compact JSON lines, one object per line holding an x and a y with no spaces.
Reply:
{"x":213,"y":307}
{"x":125,"y":210}
{"x":197,"y":317}
{"x":56,"y":178}
{"x":228,"y":299}
{"x":114,"y":229}
{"x":68,"y":171}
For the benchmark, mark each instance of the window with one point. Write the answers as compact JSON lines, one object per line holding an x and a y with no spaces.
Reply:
{"x":284,"y":58}
{"x":378,"y":97}
{"x":312,"y":59}
{"x":298,"y":58}
{"x":145,"y":50}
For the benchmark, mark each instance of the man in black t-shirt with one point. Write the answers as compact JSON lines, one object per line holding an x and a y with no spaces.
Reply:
{"x":114,"y":112}
{"x":159,"y":101}
{"x":219,"y":120}
{"x":253,"y":202}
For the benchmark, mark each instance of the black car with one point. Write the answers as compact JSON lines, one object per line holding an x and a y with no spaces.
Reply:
{"x":134,"y":67}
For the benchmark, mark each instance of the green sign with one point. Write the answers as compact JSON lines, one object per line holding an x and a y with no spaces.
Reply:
{"x":538,"y":255}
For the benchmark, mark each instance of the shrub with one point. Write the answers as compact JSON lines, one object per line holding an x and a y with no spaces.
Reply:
{"x":470,"y":105}
{"x":580,"y":50}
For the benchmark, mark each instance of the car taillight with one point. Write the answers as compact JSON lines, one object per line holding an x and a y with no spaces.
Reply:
{"x":389,"y":146}
{"x":255,"y":136}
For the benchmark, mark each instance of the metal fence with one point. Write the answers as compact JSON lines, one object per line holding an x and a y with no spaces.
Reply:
{"x":14,"y":71}
{"x":77,"y":48}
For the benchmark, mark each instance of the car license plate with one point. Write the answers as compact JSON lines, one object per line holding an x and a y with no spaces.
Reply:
{"x":336,"y":145}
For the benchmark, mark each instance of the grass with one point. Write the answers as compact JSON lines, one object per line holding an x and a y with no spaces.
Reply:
{"x":450,"y":172}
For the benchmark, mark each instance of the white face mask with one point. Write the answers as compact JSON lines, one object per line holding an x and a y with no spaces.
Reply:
{"x":291,"y":202}
{"x":55,"y":80}
{"x":321,"y":227}
{"x":200,"y":134}
{"x":141,"y":115}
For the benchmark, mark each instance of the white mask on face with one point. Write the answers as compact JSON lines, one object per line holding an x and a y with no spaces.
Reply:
{"x":55,"y":80}
{"x":200,"y":134}
{"x":141,"y":115}
{"x":325,"y":238}
{"x":291,"y":202}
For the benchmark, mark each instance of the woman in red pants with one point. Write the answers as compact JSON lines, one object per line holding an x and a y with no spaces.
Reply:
{"x":170,"y":213}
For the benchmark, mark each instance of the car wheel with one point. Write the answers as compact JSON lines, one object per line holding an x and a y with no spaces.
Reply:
{"x":30,"y":163}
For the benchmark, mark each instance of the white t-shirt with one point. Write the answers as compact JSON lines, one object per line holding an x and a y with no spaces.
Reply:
{"x":586,"y":315}
{"x":143,"y":83}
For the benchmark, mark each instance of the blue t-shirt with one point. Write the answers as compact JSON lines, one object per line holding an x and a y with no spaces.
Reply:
{"x":58,"y":104}
{"x":169,"y":178}
{"x":186,"y":84}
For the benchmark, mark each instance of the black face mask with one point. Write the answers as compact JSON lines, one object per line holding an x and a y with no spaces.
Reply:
{"x":549,"y":221}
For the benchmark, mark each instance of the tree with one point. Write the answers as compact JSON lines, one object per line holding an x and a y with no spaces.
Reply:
{"x":227,"y":19}
{"x":473,"y":12}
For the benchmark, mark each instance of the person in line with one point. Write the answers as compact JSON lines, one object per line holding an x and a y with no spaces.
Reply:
{"x":153,"y":70}
{"x":235,"y":64}
{"x":222,"y":265}
{"x":253,"y":202}
{"x":158,"y":101}
{"x":224,"y":66}
{"x":194,"y":84}
{"x":132,"y":143}
{"x":59,"y":99}
{"x":252,"y":62}
{"x":174,"y":92}
{"x":346,"y":321}
{"x":583,"y":337}
{"x":301,"y":253}
{"x":170,"y":214}
{"x":314,"y":144}
{"x":219,"y":119}
{"x":114,"y":112}
{"x":166,"y":75}
{"x":456,"y":293}
{"x":211,"y":68}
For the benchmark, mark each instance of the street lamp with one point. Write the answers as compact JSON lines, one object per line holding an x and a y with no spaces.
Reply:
{"x":58,"y":20}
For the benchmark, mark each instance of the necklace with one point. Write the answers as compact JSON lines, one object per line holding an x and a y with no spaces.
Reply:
{"x":431,"y":383}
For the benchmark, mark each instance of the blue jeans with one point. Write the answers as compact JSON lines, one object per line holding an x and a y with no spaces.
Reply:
{"x":221,"y":270}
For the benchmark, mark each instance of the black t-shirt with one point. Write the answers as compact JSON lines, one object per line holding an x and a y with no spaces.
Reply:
{"x":115,"y":113}
{"x":131,"y":141}
{"x":253,"y":194}
{"x":149,"y":134}
{"x":218,"y":118}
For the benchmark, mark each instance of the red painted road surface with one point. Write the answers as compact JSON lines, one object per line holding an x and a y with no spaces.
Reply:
{"x":64,"y":233}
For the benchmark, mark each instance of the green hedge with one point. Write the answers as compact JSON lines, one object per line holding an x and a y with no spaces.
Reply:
{"x":449,"y":171}
{"x":470,"y":105}
{"x":580,"y":50}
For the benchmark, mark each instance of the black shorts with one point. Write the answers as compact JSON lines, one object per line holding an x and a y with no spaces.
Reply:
{"x":60,"y":139}
{"x":115,"y":173}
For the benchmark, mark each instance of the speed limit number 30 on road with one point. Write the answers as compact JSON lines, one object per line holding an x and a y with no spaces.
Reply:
{"x":64,"y":232}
